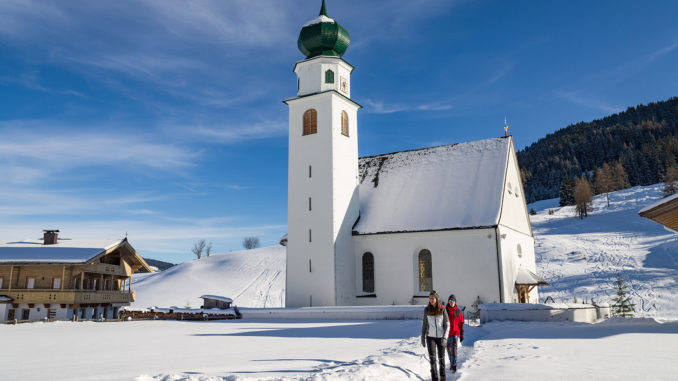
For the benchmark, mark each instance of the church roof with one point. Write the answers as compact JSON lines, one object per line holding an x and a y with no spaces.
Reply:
{"x":448,"y":187}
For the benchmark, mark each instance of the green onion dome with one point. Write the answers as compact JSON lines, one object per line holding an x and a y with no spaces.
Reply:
{"x":323,"y":36}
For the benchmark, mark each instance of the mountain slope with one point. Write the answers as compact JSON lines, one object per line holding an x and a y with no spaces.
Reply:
{"x":252,"y":278}
{"x":581,"y":258}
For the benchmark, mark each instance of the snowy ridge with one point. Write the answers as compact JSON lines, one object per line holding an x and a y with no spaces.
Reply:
{"x":581,"y":258}
{"x":252,"y":278}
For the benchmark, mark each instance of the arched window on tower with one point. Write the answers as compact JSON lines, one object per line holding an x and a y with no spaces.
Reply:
{"x":310,"y":122}
{"x":344,"y":123}
{"x":329,"y":76}
{"x":368,"y":272}
{"x":425,"y":271}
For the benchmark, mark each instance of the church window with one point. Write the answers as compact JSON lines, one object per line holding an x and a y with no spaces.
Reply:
{"x":329,"y":76}
{"x":310,"y":122}
{"x":425,"y":271}
{"x":368,"y":272}
{"x":344,"y":123}
{"x":509,"y":189}
{"x":519,"y":249}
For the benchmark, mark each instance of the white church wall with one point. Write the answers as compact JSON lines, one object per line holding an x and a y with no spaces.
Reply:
{"x":311,"y":74}
{"x":516,"y":250}
{"x":310,"y":232}
{"x":3,"y":311}
{"x":514,"y":210}
{"x":464,"y":263}
{"x":346,"y":202}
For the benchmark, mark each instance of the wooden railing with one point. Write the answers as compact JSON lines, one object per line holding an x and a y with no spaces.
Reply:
{"x":32,"y":296}
{"x":104,"y":268}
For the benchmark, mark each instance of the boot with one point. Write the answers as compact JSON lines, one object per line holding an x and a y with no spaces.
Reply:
{"x":454,"y":369}
{"x":434,"y":375}
{"x":442,"y":376}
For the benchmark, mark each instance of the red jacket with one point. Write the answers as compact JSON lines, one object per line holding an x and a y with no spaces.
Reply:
{"x":456,"y":320}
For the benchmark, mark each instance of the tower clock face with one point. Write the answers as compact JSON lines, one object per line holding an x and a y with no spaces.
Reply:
{"x":344,"y":85}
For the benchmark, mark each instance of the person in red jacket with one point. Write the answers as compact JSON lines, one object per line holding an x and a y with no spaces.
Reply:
{"x":456,"y":317}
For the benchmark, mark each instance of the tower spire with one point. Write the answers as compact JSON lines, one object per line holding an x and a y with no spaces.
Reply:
{"x":505,"y":127}
{"x":323,"y":10}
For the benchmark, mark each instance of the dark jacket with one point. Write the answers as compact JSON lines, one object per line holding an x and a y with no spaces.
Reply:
{"x":435,"y":326}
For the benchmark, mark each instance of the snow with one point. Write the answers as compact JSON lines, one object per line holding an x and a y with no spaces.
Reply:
{"x":446,"y":187}
{"x":318,"y":20}
{"x":660,"y":202}
{"x":251,"y":278}
{"x":65,"y":251}
{"x":532,"y":306}
{"x":4,"y":298}
{"x":241,"y":350}
{"x":581,"y":258}
{"x":527,"y":277}
{"x":216,"y":297}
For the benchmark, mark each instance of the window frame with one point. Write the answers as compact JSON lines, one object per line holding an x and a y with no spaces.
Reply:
{"x":329,"y":76}
{"x":310,"y":122}
{"x":368,"y":270}
{"x":344,"y":123}
{"x":424,"y":270}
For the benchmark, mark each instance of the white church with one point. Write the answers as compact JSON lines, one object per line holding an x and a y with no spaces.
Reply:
{"x":388,"y":229}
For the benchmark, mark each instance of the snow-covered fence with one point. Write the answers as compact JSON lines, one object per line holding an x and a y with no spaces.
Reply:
{"x":584,"y":313}
{"x":338,"y":313}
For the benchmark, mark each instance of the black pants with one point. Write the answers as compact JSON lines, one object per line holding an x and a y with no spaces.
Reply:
{"x":436,"y":344}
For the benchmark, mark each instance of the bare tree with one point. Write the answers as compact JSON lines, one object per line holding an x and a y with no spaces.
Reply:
{"x":582,"y":197}
{"x":670,"y":181}
{"x":604,"y":182}
{"x":208,"y":249}
{"x":250,"y":243}
{"x":198,"y":248}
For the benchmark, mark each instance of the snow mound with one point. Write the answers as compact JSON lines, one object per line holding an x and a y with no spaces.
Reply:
{"x":581,"y":258}
{"x":252,"y":278}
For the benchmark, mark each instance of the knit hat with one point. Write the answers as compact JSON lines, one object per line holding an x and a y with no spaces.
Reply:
{"x":435,"y":294}
{"x":452,"y":298}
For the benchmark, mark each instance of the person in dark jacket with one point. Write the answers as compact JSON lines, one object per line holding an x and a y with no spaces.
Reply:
{"x":456,"y":316}
{"x":435,"y":329}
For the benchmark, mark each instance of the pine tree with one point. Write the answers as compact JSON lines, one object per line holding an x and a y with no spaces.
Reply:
{"x":621,"y":180}
{"x":670,"y":181}
{"x":582,"y":197}
{"x":566,"y":192}
{"x":622,"y":304}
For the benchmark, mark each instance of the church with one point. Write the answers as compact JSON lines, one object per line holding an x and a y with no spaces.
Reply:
{"x":388,"y":229}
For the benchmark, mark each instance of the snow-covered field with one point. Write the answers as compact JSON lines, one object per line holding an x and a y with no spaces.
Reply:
{"x":580,"y":258}
{"x":252,"y":278}
{"x":321,"y":350}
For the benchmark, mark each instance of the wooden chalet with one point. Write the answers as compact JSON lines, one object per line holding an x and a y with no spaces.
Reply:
{"x":664,"y":212}
{"x":66,"y":279}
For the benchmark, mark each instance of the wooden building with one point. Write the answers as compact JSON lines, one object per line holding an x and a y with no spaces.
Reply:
{"x":664,"y":212}
{"x":62,"y":279}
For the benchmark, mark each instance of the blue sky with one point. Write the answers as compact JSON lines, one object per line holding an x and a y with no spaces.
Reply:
{"x":163,"y":119}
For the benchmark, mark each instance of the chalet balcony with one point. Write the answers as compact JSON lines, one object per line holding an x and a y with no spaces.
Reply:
{"x":33,"y":296}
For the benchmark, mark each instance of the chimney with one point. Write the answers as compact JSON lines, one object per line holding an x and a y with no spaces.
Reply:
{"x":50,"y":237}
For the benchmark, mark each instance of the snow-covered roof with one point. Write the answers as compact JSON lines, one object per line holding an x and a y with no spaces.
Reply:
{"x":65,"y":251}
{"x":216,"y":297}
{"x":446,"y":187}
{"x":527,"y":277}
{"x":5,"y":299}
{"x":319,"y":19}
{"x":659,"y":203}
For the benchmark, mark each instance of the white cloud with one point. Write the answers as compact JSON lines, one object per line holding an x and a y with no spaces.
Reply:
{"x":590,"y":102}
{"x":227,"y":132}
{"x":379,"y":107}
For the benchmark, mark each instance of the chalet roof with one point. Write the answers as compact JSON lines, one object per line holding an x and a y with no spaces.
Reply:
{"x":5,"y":299}
{"x":664,"y":211}
{"x":216,"y":297}
{"x":527,"y":277}
{"x":455,"y":186}
{"x":66,"y":251}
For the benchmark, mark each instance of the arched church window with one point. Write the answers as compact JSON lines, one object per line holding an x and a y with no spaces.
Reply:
{"x":344,"y":123}
{"x":368,"y":272}
{"x":310,"y":122}
{"x":425,"y":271}
{"x":329,"y":76}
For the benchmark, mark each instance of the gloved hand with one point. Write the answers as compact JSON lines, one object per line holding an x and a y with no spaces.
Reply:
{"x":423,"y":342}
{"x":461,"y":339}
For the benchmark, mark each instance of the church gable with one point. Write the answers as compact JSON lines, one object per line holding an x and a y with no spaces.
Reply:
{"x":448,"y":187}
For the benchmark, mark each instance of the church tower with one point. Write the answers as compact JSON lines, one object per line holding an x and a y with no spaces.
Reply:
{"x":323,"y":170}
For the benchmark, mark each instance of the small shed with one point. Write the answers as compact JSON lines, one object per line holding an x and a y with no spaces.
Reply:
{"x":215,"y":301}
{"x":526,"y":280}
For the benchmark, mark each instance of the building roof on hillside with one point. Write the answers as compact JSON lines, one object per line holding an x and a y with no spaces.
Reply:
{"x":448,"y":187}
{"x":66,"y":251}
{"x":217,"y":297}
{"x":664,"y":211}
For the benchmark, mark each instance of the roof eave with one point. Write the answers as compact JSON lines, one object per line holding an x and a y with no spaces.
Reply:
{"x":357,"y":233}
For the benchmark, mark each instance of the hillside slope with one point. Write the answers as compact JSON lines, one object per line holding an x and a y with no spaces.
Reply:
{"x":252,"y":278}
{"x":581,"y":258}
